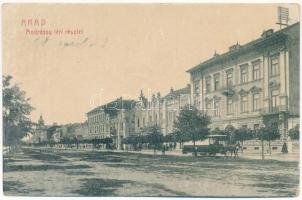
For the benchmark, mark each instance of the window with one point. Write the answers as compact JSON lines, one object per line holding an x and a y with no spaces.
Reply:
{"x":170,"y":116}
{"x":229,"y":78}
{"x":274,"y":65}
{"x":174,"y":116}
{"x":208,"y":85}
{"x":208,"y":105}
{"x":256,"y":70}
{"x":230,"y":107}
{"x":216,"y":109}
{"x":244,"y":73}
{"x":256,"y":126}
{"x":216,"y":81}
{"x":197,"y":87}
{"x":275,"y":100}
{"x":274,"y":148}
{"x":256,"y":148}
{"x":197,"y":101}
{"x":244,"y":106}
{"x":138,"y":123}
{"x":256,"y":102}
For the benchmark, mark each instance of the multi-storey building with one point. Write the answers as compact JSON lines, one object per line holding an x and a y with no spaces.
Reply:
{"x":113,"y":120}
{"x":40,"y":132}
{"x":252,"y":85}
{"x":173,"y":102}
{"x":81,"y":130}
{"x":161,"y":110}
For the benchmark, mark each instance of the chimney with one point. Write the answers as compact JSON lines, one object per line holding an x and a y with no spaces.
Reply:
{"x":234,"y":47}
{"x":215,"y":54}
{"x":158,"y":95}
{"x":171,"y":90}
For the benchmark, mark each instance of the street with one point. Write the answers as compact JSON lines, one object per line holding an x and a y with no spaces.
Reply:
{"x":36,"y":172}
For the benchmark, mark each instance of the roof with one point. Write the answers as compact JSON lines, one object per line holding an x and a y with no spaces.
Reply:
{"x":113,"y":107}
{"x":242,"y":48}
{"x":176,"y":93}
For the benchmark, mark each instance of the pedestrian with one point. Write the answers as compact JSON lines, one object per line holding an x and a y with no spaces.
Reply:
{"x":284,"y":149}
{"x":163,"y":149}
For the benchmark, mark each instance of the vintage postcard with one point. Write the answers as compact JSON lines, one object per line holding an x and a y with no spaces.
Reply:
{"x":151,"y":100}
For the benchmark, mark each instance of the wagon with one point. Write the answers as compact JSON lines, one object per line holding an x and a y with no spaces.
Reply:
{"x":216,"y":145}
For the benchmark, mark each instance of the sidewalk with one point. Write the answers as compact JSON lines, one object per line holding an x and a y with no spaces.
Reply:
{"x":178,"y":152}
{"x":276,"y":156}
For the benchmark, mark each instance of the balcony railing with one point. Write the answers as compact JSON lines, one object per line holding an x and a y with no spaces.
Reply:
{"x":274,"y":110}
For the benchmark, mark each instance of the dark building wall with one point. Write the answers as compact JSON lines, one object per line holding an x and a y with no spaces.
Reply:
{"x":294,"y":69}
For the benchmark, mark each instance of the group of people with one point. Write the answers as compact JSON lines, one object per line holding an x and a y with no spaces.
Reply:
{"x":168,"y":147}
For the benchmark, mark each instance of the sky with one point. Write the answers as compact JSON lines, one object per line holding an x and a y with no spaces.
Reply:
{"x":117,"y":50}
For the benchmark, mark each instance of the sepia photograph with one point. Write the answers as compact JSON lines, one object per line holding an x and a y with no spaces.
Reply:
{"x":151,"y":100}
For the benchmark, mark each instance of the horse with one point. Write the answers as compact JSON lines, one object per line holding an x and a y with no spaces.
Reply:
{"x":232,"y":149}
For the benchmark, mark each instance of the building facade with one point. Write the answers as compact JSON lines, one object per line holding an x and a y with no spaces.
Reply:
{"x":161,"y":111}
{"x":113,"y":120}
{"x":82,"y":131}
{"x":252,"y":85}
{"x":39,"y":133}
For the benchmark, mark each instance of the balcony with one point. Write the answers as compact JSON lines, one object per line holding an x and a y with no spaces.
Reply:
{"x":273,"y":110}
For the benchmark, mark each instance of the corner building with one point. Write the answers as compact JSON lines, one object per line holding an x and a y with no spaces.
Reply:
{"x":161,"y":111}
{"x":252,"y":85}
{"x":113,"y":120}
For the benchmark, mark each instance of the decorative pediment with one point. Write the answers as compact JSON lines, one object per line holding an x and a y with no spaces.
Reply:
{"x":207,"y":99}
{"x":230,"y":70}
{"x":208,"y":77}
{"x":243,"y":92}
{"x":274,"y":84}
{"x":229,"y":92}
{"x":216,"y":98}
{"x":255,"y":89}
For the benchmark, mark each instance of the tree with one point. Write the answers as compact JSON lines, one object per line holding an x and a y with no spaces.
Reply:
{"x":154,"y":136}
{"x":193,"y":124}
{"x":217,"y":131}
{"x":294,"y":133}
{"x":180,"y":138}
{"x":133,"y":140}
{"x":270,"y":133}
{"x":242,"y":134}
{"x":230,"y":132}
{"x":16,"y":111}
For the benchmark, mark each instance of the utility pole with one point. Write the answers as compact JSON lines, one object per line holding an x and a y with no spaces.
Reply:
{"x":262,"y":145}
{"x":283,"y":16}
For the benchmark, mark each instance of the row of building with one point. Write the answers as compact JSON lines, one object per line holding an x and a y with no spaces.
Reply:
{"x":55,"y":133}
{"x":248,"y":86}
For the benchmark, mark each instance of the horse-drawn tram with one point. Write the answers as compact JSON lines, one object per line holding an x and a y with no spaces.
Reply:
{"x":213,"y":145}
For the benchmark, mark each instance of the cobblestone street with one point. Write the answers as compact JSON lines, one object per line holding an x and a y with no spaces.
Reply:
{"x":88,"y":173}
